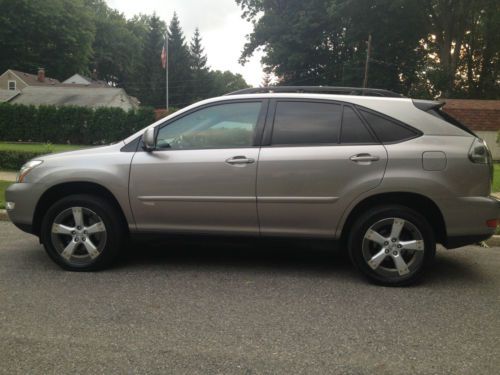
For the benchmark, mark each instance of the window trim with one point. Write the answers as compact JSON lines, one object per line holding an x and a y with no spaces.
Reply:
{"x":360,"y":110}
{"x":8,"y":85}
{"x":271,"y":117}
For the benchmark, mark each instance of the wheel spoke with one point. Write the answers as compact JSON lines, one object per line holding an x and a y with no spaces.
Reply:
{"x":416,"y":245}
{"x":397,"y":227}
{"x":69,"y":250}
{"x":78,"y":216}
{"x":62,"y":229}
{"x":91,"y":249}
{"x":375,"y":237}
{"x":401,"y":265}
{"x":96,"y":228}
{"x":378,"y":258}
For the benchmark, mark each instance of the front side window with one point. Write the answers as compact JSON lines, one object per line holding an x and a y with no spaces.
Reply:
{"x":220,"y":126}
{"x":306,"y":123}
{"x":12,"y":85}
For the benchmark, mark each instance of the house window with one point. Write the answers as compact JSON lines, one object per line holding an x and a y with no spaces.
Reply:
{"x":12,"y":85}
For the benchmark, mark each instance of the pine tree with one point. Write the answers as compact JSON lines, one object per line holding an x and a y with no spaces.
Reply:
{"x":152,"y":84}
{"x":179,"y":61}
{"x":200,"y":72}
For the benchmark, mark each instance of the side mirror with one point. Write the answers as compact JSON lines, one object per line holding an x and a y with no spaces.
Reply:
{"x":148,"y":140}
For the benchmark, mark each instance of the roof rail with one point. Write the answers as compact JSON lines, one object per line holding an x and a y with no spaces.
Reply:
{"x":318,"y":90}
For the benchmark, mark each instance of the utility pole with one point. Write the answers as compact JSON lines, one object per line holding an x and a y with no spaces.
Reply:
{"x":367,"y":64}
{"x":166,"y":73}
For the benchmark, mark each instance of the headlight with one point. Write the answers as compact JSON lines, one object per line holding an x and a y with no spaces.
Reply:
{"x":27,"y":168}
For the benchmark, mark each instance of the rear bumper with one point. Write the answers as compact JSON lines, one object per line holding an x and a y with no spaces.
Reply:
{"x":466,"y":220}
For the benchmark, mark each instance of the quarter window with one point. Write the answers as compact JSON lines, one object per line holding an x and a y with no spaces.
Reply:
{"x":220,"y":126}
{"x":306,"y":123}
{"x":388,"y":131}
{"x":353,"y":129}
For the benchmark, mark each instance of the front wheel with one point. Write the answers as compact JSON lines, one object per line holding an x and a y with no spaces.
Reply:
{"x":392,"y":245}
{"x":82,"y":233}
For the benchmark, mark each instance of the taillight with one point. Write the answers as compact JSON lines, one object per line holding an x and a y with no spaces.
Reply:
{"x":479,"y":152}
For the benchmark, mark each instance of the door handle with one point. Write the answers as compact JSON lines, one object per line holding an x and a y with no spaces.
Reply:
{"x":236,"y":160}
{"x":360,"y":158}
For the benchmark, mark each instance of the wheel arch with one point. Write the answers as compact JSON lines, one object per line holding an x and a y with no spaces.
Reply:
{"x":417,"y":202}
{"x":56,"y":192}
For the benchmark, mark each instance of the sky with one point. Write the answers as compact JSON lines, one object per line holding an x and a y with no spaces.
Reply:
{"x":221,"y":27}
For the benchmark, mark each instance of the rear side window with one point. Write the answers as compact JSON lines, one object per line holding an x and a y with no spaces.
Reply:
{"x":306,"y":123}
{"x":353,"y":129}
{"x":388,"y":131}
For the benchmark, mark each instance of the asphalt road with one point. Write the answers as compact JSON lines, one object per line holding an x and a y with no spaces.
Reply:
{"x":212,"y":307}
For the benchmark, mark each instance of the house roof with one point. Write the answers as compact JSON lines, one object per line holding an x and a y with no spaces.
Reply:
{"x":79,"y":79}
{"x":478,"y":115}
{"x":6,"y":95}
{"x":32,"y":79}
{"x":78,"y":95}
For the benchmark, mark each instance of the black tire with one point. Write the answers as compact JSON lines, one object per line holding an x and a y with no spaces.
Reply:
{"x":114,"y":233}
{"x":360,"y":249}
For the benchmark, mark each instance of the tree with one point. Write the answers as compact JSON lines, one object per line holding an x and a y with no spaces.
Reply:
{"x":420,"y":47}
{"x":116,"y":48}
{"x":266,"y":80}
{"x":179,"y":61}
{"x":43,"y":33}
{"x":199,"y":69}
{"x":225,"y":82}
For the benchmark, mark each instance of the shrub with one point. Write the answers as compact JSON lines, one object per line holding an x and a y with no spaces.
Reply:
{"x":73,"y":125}
{"x":13,"y":160}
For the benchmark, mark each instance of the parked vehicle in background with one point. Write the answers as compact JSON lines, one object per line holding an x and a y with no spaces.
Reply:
{"x":388,"y":177}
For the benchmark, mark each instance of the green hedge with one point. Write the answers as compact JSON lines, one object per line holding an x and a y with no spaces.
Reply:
{"x":13,"y":160}
{"x":73,"y":125}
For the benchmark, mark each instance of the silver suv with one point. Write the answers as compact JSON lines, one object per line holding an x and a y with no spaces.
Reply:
{"x":387,"y":177}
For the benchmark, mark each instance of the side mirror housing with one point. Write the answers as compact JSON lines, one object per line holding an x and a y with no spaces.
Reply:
{"x":148,"y":140}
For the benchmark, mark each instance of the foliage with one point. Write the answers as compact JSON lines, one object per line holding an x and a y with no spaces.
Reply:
{"x":423,"y":48}
{"x":54,"y":34}
{"x":70,"y":125}
{"x":90,"y":38}
{"x":37,"y":147}
{"x":3,"y":186}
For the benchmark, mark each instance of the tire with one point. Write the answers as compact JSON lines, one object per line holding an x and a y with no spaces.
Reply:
{"x":386,"y":257}
{"x":94,"y":244}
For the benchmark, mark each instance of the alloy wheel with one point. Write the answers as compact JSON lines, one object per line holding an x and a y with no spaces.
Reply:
{"x":393,"y":248}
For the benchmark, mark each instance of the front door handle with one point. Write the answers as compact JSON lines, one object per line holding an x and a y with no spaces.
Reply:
{"x":237,"y":160}
{"x":364,"y":158}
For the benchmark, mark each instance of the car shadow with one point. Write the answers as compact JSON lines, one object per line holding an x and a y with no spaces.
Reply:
{"x":306,"y":257}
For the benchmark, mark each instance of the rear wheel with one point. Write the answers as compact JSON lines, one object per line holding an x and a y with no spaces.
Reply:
{"x":392,"y":245}
{"x":82,"y":233}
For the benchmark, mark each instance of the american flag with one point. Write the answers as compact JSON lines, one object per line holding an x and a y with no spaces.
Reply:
{"x":164,"y":55}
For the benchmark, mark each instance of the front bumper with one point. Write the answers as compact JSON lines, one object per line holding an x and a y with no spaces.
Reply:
{"x":25,"y":196}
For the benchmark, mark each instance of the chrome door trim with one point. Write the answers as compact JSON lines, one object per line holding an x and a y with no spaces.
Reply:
{"x":188,"y":198}
{"x":297,"y":199}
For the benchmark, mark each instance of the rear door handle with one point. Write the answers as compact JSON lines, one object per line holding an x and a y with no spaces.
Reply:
{"x":237,"y":160}
{"x":360,"y":158}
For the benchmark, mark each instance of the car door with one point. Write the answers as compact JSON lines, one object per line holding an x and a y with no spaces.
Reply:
{"x":201,"y":176}
{"x":317,"y":156}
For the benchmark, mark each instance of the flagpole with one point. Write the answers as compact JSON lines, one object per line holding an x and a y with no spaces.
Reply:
{"x":167,"y":66}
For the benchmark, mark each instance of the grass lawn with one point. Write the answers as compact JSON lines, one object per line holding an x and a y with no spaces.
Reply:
{"x":3,"y":186}
{"x":37,"y":147}
{"x":496,"y":178}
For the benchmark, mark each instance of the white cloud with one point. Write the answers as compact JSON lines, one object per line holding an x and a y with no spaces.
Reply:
{"x":220,"y":23}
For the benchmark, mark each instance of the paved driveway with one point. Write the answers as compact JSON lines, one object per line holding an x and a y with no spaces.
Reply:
{"x":229,"y":308}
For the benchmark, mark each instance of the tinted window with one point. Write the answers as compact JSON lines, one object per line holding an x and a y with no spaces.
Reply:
{"x":306,"y":123}
{"x":221,"y":126}
{"x":387,"y":131}
{"x":353,"y":129}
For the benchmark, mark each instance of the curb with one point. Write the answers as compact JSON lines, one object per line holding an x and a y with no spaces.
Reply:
{"x":492,"y":242}
{"x":4,"y":216}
